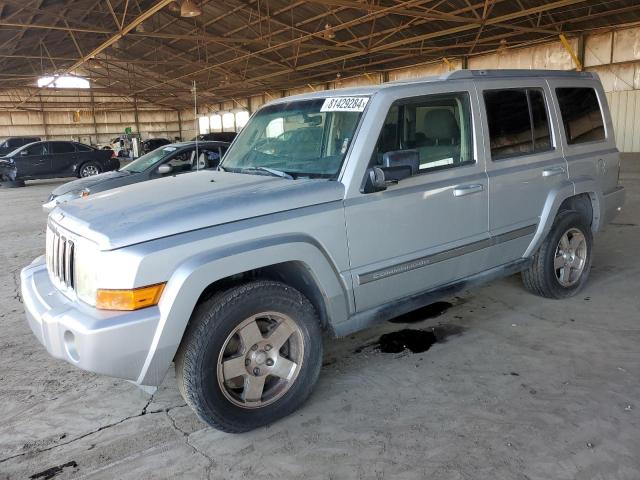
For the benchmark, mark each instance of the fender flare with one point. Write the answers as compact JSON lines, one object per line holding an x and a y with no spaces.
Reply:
{"x":556,"y":197}
{"x":196,"y":273}
{"x":589,"y":185}
{"x":551,"y":206}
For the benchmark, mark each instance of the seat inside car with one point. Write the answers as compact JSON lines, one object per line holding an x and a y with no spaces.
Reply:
{"x":440,"y":139}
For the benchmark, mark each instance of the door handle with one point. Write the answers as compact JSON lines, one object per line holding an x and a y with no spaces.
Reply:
{"x":549,"y":172}
{"x":462,"y":190}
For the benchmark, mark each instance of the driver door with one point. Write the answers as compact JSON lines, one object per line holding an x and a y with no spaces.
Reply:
{"x":34,"y":160}
{"x":430,"y":228}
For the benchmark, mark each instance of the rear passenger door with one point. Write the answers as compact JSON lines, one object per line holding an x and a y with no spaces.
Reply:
{"x":524,"y":161}
{"x":431,"y":228}
{"x":63,"y":157}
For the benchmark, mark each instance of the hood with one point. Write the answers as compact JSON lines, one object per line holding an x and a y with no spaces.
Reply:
{"x":168,"y":206}
{"x":88,"y":182}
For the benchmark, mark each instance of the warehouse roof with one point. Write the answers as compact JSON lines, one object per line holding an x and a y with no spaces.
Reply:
{"x":145,"y":49}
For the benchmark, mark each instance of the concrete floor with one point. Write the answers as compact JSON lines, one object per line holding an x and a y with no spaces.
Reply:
{"x":532,"y":389}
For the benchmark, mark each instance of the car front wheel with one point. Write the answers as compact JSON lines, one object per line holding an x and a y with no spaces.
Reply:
{"x":250,"y":356}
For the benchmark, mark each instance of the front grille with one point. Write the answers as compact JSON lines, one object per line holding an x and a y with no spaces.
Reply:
{"x":60,"y":258}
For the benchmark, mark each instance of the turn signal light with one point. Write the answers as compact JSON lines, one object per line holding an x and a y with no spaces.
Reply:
{"x":133,"y":299}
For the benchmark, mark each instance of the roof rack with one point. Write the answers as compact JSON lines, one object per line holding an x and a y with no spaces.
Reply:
{"x":494,"y":73}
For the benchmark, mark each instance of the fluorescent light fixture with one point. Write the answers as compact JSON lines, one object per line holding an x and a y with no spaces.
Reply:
{"x":64,"y":81}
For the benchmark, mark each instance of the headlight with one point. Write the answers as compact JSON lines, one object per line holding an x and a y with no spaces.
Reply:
{"x":86,"y":272}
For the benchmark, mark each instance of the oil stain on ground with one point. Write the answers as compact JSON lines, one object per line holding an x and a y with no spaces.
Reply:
{"x":414,"y":340}
{"x":53,"y":471}
{"x":430,"y":311}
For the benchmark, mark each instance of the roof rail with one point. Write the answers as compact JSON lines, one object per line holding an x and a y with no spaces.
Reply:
{"x":495,"y":73}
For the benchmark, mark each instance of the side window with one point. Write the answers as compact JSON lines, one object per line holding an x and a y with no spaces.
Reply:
{"x":208,"y":157}
{"x":62,"y":147}
{"x":518,"y":122}
{"x":581,"y":115}
{"x":83,"y":148}
{"x":37,"y":149}
{"x":437,"y":127}
{"x":183,"y":161}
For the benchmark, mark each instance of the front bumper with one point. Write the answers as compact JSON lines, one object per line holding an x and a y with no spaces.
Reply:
{"x":613,"y":203}
{"x":8,"y":171}
{"x":105,"y":342}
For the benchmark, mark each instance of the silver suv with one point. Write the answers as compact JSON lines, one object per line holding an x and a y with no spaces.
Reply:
{"x":330,"y":212}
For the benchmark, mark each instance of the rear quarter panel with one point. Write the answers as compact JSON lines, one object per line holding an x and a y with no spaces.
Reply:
{"x":593,"y":166}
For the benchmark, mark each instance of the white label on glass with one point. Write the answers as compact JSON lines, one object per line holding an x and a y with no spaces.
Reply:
{"x":344,"y":104}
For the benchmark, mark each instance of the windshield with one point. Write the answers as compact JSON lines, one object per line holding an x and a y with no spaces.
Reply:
{"x":148,"y":160}
{"x":306,"y":138}
{"x":15,"y":151}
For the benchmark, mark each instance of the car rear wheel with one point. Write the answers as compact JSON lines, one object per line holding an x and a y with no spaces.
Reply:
{"x":250,"y":356}
{"x":89,"y":169}
{"x":562,"y":264}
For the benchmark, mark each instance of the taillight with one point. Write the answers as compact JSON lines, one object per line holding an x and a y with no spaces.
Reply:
{"x":113,"y":154}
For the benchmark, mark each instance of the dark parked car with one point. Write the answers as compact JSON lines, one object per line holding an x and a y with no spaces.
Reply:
{"x":216,"y":137}
{"x":55,"y":159}
{"x":8,"y":145}
{"x":152,"y":143}
{"x":171,"y":159}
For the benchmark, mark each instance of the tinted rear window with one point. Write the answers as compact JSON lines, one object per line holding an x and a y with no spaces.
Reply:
{"x":83,"y":148}
{"x":62,"y":147}
{"x":518,"y":122}
{"x":581,"y":115}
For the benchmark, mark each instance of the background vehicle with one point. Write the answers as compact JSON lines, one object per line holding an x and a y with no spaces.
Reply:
{"x":171,"y":159}
{"x":404,"y":194}
{"x":153,"y":143}
{"x":8,"y":145}
{"x":56,"y":159}
{"x":216,"y":136}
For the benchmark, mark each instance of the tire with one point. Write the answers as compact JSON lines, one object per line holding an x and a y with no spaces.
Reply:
{"x":549,"y":279}
{"x":215,"y":348}
{"x":88,"y":169}
{"x":12,"y":183}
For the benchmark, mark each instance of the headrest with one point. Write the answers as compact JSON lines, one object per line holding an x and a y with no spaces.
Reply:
{"x":440,"y":124}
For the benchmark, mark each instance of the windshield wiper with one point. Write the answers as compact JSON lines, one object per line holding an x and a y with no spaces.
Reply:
{"x":271,"y":171}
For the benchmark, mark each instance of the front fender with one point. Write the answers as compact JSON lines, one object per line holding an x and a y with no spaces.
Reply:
{"x":193,"y":276}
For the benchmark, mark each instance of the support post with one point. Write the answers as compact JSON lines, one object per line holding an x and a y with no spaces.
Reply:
{"x":180,"y":124}
{"x":93,"y":116}
{"x":135,"y":114}
{"x":44,"y":118}
{"x":572,"y":53}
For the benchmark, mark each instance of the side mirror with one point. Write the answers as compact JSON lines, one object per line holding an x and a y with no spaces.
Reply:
{"x":164,"y":169}
{"x":401,"y":164}
{"x":374,"y":181}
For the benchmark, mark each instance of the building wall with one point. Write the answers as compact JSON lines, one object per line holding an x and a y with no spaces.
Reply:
{"x":81,"y":116}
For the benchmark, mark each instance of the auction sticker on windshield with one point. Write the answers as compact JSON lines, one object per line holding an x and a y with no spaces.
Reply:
{"x":344,"y":104}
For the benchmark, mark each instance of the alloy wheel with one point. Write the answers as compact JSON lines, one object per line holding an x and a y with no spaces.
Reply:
{"x":260,"y":360}
{"x":570,"y":257}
